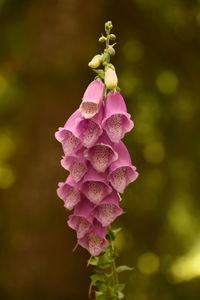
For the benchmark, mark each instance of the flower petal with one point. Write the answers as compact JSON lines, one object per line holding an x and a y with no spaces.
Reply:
{"x":102,"y":154}
{"x":75,"y":164}
{"x":117,"y":121}
{"x":69,"y":193}
{"x":121,"y":171}
{"x":92,"y":99}
{"x":95,"y":186}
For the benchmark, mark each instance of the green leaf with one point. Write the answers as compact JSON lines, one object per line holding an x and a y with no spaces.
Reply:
{"x":123,"y":268}
{"x":98,"y":277}
{"x":120,"y":287}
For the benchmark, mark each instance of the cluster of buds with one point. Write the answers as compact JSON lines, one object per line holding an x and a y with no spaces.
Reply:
{"x":98,"y":162}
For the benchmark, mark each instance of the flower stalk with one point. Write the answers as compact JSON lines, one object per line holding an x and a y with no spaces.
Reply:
{"x":100,"y":168}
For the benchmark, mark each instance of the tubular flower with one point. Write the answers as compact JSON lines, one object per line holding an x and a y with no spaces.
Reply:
{"x":116,"y":120}
{"x":92,"y":99}
{"x":121,"y":171}
{"x":98,"y":163}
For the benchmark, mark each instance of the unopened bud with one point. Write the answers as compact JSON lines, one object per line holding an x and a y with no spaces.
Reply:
{"x":108,"y":26}
{"x":95,"y":62}
{"x":102,"y":39}
{"x":112,"y":37}
{"x":111,"y":79}
{"x":111,"y":51}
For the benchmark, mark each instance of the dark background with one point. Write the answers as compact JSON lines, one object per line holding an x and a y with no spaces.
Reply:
{"x":45,"y":47}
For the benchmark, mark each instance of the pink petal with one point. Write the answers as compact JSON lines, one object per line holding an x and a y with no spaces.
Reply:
{"x":69,"y":193}
{"x":108,"y":210}
{"x":75,"y":164}
{"x":92,"y":99}
{"x":89,"y":130}
{"x":117,"y":121}
{"x":94,"y":241}
{"x":82,"y":219}
{"x":67,"y":135}
{"x":95,"y":186}
{"x":102,"y":154}
{"x":121,"y":171}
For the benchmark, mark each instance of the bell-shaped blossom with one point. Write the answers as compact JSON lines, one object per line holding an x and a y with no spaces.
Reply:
{"x":121,"y":171}
{"x":102,"y":154}
{"x":82,"y":219}
{"x":68,"y":191}
{"x":92,"y":99}
{"x":67,"y":135}
{"x":116,"y":121}
{"x":108,"y":209}
{"x":75,"y":164}
{"x":94,"y":241}
{"x":89,"y":130}
{"x":95,"y":186}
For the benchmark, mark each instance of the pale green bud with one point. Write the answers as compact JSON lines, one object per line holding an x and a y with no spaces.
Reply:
{"x":111,"y":51}
{"x":95,"y":62}
{"x":111,"y":80}
{"x":108,"y":26}
{"x":112,"y":37}
{"x":102,"y":39}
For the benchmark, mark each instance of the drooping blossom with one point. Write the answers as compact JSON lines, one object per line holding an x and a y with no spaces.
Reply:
{"x":94,"y":240}
{"x":68,"y":191}
{"x":108,"y":209}
{"x":92,"y":99}
{"x":75,"y":164}
{"x":102,"y":154}
{"x":121,"y":171}
{"x":116,"y":120}
{"x":95,"y":186}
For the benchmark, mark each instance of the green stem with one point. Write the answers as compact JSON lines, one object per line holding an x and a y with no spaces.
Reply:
{"x":113,"y":264}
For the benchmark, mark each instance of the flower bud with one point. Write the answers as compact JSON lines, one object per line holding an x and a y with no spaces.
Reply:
{"x":95,"y":62}
{"x":111,"y":80}
{"x":111,"y":51}
{"x":108,"y":26}
{"x":112,"y":37}
{"x":102,"y":39}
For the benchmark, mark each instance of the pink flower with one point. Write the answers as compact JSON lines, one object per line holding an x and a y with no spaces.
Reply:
{"x":94,"y":241}
{"x":92,"y":99}
{"x":67,"y":135}
{"x":82,"y":219}
{"x":116,"y":120}
{"x":108,"y":209}
{"x":68,"y":191}
{"x":121,"y":171}
{"x":75,"y":164}
{"x":102,"y":154}
{"x":89,"y":130}
{"x":95,"y":186}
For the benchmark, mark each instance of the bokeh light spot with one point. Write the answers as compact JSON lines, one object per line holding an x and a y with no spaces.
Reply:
{"x":154,"y":152}
{"x":167,"y":82}
{"x":7,"y":177}
{"x":3,"y":85}
{"x":133,"y":50}
{"x":187,"y":267}
{"x":148,"y":263}
{"x":7,"y":146}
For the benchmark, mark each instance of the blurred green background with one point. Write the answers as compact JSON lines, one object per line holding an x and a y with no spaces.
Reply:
{"x":44,"y":50}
